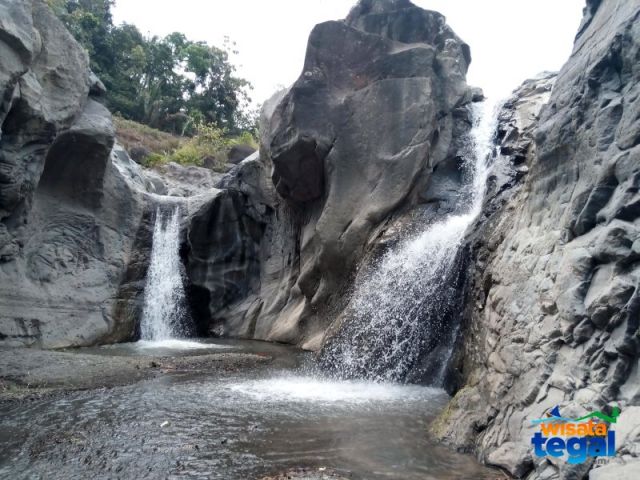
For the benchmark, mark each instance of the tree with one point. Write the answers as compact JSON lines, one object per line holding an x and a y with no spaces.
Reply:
{"x":170,"y":83}
{"x":215,"y":91}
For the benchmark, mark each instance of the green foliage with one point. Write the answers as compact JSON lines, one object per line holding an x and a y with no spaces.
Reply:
{"x":207,"y":141}
{"x":245,"y":138}
{"x":170,"y":83}
{"x":154,"y":159}
{"x":133,"y":134}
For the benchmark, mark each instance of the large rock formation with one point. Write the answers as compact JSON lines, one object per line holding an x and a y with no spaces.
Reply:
{"x":352,"y":145}
{"x":553,"y":311}
{"x":68,"y":218}
{"x":75,"y":214}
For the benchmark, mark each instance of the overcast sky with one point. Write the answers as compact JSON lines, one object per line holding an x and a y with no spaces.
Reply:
{"x":510,"y":40}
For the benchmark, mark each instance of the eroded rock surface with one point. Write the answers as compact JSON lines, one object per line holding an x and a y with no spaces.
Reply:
{"x":74,"y":209}
{"x":353,"y":143}
{"x":553,"y":311}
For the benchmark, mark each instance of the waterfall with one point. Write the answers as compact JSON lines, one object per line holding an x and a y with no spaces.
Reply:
{"x":164,"y":314}
{"x":401,"y":308}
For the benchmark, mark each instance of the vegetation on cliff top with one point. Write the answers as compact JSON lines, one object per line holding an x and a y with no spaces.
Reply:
{"x":152,"y":147}
{"x":169,"y":83}
{"x":185,"y":88}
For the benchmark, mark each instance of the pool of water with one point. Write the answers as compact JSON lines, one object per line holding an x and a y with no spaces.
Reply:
{"x":195,"y":346}
{"x":236,"y":425}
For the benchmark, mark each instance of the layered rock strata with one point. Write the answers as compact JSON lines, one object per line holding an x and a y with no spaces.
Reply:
{"x":553,"y":311}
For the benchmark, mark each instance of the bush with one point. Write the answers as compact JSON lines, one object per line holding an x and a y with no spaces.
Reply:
{"x":133,"y":134}
{"x":186,"y":155}
{"x":154,"y":159}
{"x":245,"y":138}
{"x":208,"y":142}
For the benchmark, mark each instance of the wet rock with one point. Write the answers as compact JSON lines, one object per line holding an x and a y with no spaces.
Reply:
{"x":321,"y":473}
{"x":223,"y":261}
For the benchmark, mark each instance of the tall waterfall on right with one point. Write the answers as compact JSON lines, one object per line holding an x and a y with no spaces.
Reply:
{"x":400,"y":309}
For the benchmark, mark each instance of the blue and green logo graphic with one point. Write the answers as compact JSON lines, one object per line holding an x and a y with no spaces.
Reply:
{"x":579,"y":438}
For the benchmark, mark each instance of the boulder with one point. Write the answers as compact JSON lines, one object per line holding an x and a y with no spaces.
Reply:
{"x":183,"y":180}
{"x":210,"y":162}
{"x":626,"y":471}
{"x":349,"y":148}
{"x":44,"y":82}
{"x":237,"y":153}
{"x":512,"y":457}
{"x":70,"y":203}
{"x":139,"y":153}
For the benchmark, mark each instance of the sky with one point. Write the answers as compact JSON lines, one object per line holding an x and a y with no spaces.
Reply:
{"x":511,"y":40}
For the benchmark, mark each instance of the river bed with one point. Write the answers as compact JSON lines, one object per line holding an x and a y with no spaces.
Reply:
{"x":231,"y":424}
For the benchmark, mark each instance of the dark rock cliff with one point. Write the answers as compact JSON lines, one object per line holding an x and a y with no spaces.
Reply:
{"x":553,"y":314}
{"x":356,"y":141}
{"x":75,"y":212}
{"x":67,"y":218}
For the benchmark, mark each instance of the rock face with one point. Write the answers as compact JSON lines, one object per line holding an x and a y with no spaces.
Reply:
{"x":553,"y":310}
{"x":182,"y":181}
{"x":76,"y":213}
{"x":354,"y":144}
{"x":67,"y":216}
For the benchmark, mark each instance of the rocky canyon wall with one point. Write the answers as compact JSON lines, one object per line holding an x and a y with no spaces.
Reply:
{"x":368,"y":134}
{"x":553,"y":311}
{"x":75,"y":212}
{"x":67,"y":219}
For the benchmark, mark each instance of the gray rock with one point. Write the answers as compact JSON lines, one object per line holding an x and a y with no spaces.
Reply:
{"x":96,"y":88}
{"x":397,"y":73}
{"x":223,"y":240}
{"x":553,"y":309}
{"x":139,"y":153}
{"x":78,"y":158}
{"x":46,"y":88}
{"x":182,"y":181}
{"x":237,"y":153}
{"x":627,"y":471}
{"x":69,"y":207}
{"x":210,"y":162}
{"x":514,"y":458}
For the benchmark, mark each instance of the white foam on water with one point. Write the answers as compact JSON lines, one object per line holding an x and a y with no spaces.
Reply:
{"x":177,"y":344}
{"x":311,"y":389}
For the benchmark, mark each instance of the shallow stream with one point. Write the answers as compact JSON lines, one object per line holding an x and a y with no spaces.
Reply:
{"x":235,"y":425}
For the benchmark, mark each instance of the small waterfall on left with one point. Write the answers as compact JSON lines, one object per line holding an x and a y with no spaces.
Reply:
{"x":165,"y":315}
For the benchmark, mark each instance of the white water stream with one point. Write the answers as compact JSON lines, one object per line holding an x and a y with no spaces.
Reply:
{"x":165,"y":320}
{"x":401,"y":307}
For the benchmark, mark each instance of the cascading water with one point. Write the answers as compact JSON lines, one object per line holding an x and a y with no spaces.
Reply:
{"x":165,"y":315}
{"x":401,"y":309}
